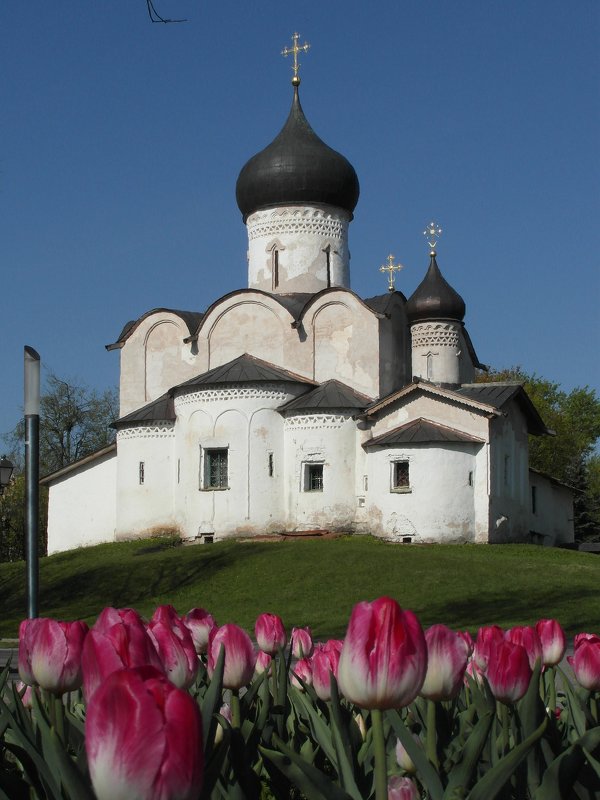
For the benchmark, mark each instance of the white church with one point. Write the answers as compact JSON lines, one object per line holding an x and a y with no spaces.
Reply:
{"x":294,"y":405}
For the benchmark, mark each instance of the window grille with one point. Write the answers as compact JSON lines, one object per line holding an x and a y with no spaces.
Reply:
{"x":215,"y":469}
{"x":314,"y":478}
{"x":400,"y":478}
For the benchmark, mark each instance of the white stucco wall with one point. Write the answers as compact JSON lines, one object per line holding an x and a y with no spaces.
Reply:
{"x":242,"y":419}
{"x":326,"y":438}
{"x":551,"y":515}
{"x":144,"y":508}
{"x":299,"y":235}
{"x":82,"y":505}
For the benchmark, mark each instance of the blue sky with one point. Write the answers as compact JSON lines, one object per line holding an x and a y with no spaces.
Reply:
{"x":122,"y":141}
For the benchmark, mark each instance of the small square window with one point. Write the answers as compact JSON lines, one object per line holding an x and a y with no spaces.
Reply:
{"x":313,"y":477}
{"x":400,"y":476}
{"x":215,"y":469}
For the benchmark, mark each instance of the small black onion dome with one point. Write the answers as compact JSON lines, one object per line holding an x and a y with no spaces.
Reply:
{"x":297,"y":168}
{"x":434,"y":298}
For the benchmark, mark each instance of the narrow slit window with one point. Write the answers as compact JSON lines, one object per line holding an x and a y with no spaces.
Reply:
{"x":327,"y":251}
{"x":534,"y":499}
{"x":141,"y":472}
{"x":275,"y":267}
{"x":270,"y":465}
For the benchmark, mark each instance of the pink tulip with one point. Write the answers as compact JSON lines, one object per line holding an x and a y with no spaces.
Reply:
{"x":527,"y":637}
{"x":239,"y":655}
{"x":174,"y":644}
{"x":25,"y":692}
{"x":384,"y":658}
{"x":302,"y":643}
{"x":508,"y":672}
{"x":302,"y":669}
{"x":270,"y":633}
{"x":447,"y":655}
{"x":488,"y":638}
{"x":199,"y":623}
{"x":143,"y":739}
{"x":468,"y":640}
{"x":400,"y":788}
{"x":552,"y":639}
{"x":585,"y":661}
{"x":50,"y":654}
{"x":474,"y":672}
{"x":263,"y":663}
{"x":113,"y":645}
{"x":324,"y":663}
{"x":116,"y":616}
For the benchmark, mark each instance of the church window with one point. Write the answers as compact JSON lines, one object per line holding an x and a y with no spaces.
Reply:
{"x":470,"y":478}
{"x":275,"y":267}
{"x":270,"y":465}
{"x":313,"y":477}
{"x":327,"y":251}
{"x":400,"y":476}
{"x":141,"y":470}
{"x":215,"y":468}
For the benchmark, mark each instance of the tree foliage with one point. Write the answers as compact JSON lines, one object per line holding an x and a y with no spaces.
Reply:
{"x":570,"y":455}
{"x":73,"y":423}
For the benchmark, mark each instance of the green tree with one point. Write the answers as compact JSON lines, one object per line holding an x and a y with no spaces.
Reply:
{"x":570,"y":455}
{"x":73,"y":423}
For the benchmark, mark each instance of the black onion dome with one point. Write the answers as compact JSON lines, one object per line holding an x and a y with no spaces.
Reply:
{"x":434,"y":298}
{"x":297,"y":168}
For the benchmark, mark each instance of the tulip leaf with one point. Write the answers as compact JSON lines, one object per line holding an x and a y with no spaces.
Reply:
{"x":319,"y":728}
{"x":562,"y":773}
{"x":341,"y":742}
{"x":44,"y":773}
{"x":574,"y":706}
{"x":462,"y":773}
{"x":594,"y":764}
{"x":307,"y":778}
{"x":489,"y":786}
{"x":70,"y":776}
{"x":211,"y":703}
{"x":425,"y":770}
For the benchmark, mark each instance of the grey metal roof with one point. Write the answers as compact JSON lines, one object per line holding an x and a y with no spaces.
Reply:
{"x":331,"y":394}
{"x":243,"y":369}
{"x":434,"y":298}
{"x":420,"y":431}
{"x":297,"y":167}
{"x":160,"y":410}
{"x":191,"y":318}
{"x":498,"y":394}
{"x":381,"y":303}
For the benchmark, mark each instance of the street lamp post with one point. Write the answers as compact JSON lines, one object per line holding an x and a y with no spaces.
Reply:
{"x":32,"y":476}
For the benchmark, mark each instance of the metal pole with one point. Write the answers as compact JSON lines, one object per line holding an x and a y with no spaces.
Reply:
{"x":32,"y":477}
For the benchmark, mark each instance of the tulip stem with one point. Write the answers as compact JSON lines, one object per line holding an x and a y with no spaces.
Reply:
{"x":381,"y":791}
{"x":552,"y":679}
{"x":431,"y":734}
{"x":594,"y":707}
{"x":235,"y":709}
{"x":503,"y":714}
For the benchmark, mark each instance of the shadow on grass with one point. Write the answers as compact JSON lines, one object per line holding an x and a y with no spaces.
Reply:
{"x":123,"y":582}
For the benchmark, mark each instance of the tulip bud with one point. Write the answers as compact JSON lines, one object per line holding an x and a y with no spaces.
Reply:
{"x":225,"y":712}
{"x":50,"y":654}
{"x":239,"y":655}
{"x":508,"y":672}
{"x":488,"y":638}
{"x":199,"y":623}
{"x":384,"y":658}
{"x":447,"y":654}
{"x":552,"y":639}
{"x":113,"y":645}
{"x":25,"y":693}
{"x":403,"y":759}
{"x":527,"y":637}
{"x":361,"y":725}
{"x":401,"y":788}
{"x":302,"y":669}
{"x":324,"y":663}
{"x":263,"y":663}
{"x":302,"y":643}
{"x":585,"y":661}
{"x":143,"y":738}
{"x":174,"y":644}
{"x":270,"y":633}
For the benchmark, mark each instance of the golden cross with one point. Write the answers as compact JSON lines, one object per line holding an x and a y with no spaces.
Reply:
{"x":289,"y":51}
{"x":432,"y":233}
{"x":390,"y":268}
